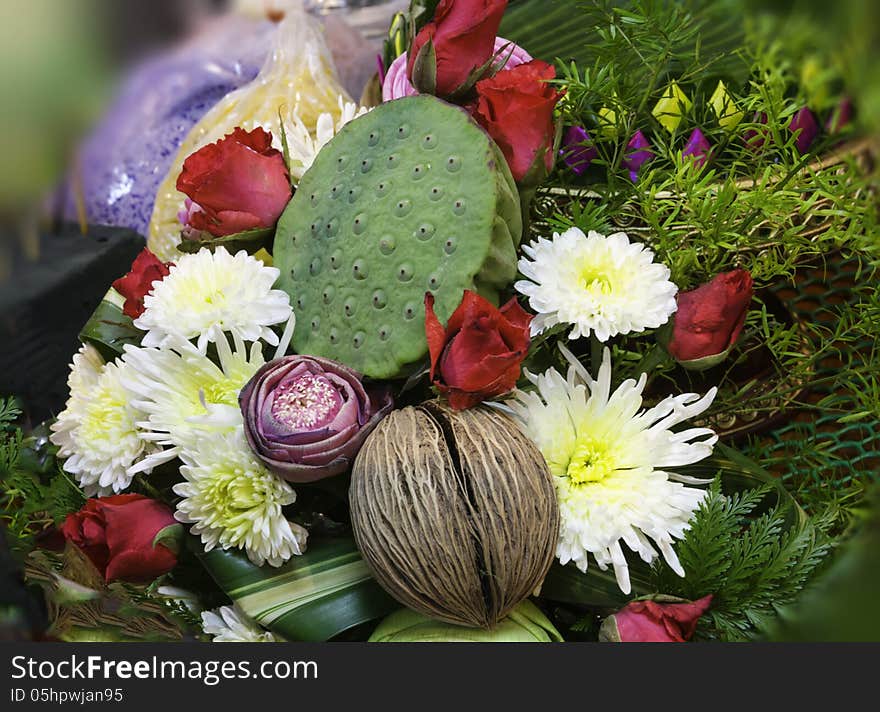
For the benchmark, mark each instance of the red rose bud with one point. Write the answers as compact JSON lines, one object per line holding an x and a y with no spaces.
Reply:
{"x":698,"y":147}
{"x":119,"y":535}
{"x":516,"y":109}
{"x":577,"y":149}
{"x":478,"y":355}
{"x":463,"y":37}
{"x":805,"y":123}
{"x":654,"y":622}
{"x":709,"y":319}
{"x":138,"y":283}
{"x":638,"y":153}
{"x":239,"y":183}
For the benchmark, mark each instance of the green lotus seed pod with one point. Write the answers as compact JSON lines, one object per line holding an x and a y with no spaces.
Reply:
{"x":412,"y":197}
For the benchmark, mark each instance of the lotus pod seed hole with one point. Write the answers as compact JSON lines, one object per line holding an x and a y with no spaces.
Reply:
{"x":419,"y":171}
{"x":453,"y":164}
{"x":360,"y":223}
{"x":359,"y":270}
{"x":379,"y":299}
{"x":449,"y":246}
{"x":384,"y":332}
{"x":387,"y":244}
{"x":459,"y":206}
{"x":409,"y":311}
{"x":403,"y":131}
{"x":429,"y":141}
{"x":366,"y":165}
{"x":373,"y":138}
{"x":349,"y":307}
{"x":358,"y":339}
{"x":403,"y":208}
{"x":425,"y":232}
{"x":315,"y":266}
{"x":334,"y":336}
{"x":405,"y":272}
{"x":436,"y":193}
{"x":328,"y":294}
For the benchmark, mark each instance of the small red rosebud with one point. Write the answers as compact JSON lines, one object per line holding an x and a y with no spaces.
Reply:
{"x":138,"y":283}
{"x":478,"y":355}
{"x":239,"y":183}
{"x":516,"y":109}
{"x":463,"y":34}
{"x":710,"y":318}
{"x":117,"y":534}
{"x":654,"y":622}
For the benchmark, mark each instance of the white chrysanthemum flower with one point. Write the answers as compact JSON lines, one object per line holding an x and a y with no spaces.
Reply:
{"x":184,"y":396}
{"x":97,"y":431}
{"x":228,"y":624}
{"x":608,"y":459}
{"x":604,"y":285}
{"x":232,"y":500}
{"x":304,"y":147}
{"x":209,"y":293}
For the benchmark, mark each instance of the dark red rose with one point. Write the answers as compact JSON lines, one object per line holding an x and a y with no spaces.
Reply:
{"x":117,"y":534}
{"x":138,"y":283}
{"x":516,"y":108}
{"x":239,"y":183}
{"x":463,"y":33}
{"x":653,"y":622}
{"x":478,"y":355}
{"x":710,"y":318}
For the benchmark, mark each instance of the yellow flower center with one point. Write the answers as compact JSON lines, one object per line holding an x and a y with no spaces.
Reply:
{"x":224,"y":391}
{"x":594,"y":279}
{"x":591,"y":461}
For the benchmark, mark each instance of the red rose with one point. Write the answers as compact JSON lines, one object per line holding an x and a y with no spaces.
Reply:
{"x":652,"y":622}
{"x":516,"y":108}
{"x":239,"y":183}
{"x":138,"y":283}
{"x":463,"y":33}
{"x":478,"y":354}
{"x":710,"y":318}
{"x":117,"y":534}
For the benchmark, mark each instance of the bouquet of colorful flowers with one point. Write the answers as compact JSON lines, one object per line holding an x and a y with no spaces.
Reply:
{"x":466,"y":359}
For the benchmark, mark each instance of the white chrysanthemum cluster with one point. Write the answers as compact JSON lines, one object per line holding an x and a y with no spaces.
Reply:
{"x":184,"y":395}
{"x":97,"y":432}
{"x":172,"y":397}
{"x":211,"y":293}
{"x":232,"y":500}
{"x":304,"y":147}
{"x":600,"y":285}
{"x":228,"y":624}
{"x":608,"y":458}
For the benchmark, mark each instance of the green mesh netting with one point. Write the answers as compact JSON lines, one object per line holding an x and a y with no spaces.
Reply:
{"x":844,"y":452}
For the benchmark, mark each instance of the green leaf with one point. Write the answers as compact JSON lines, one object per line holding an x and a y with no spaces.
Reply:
{"x":594,"y":588}
{"x":171,"y":537}
{"x":251,"y":241}
{"x":109,"y":330}
{"x":313,"y":597}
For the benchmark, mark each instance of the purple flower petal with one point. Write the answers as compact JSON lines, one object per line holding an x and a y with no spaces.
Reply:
{"x":306,"y":417}
{"x":639,"y":152}
{"x":698,"y":147}
{"x":805,"y":122}
{"x":754,"y":138}
{"x":840,"y":117}
{"x":577,"y":149}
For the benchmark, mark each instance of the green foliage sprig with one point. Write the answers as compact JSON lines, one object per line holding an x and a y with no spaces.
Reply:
{"x":33,"y":494}
{"x":751,"y":563}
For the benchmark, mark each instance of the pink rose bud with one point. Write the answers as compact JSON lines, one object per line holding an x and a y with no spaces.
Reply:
{"x":654,"y":622}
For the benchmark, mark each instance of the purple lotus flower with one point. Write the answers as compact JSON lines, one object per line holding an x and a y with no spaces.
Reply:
{"x":639,"y":152}
{"x":698,"y":147}
{"x":805,"y":122}
{"x":306,"y":417}
{"x":840,"y":117}
{"x":577,"y":149}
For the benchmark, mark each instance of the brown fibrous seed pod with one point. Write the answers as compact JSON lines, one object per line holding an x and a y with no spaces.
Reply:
{"x":454,"y":511}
